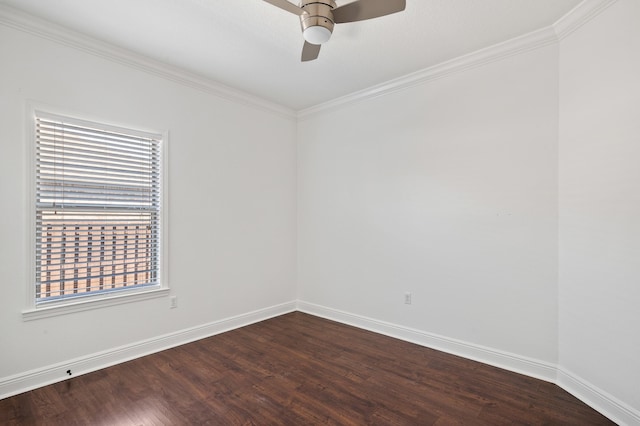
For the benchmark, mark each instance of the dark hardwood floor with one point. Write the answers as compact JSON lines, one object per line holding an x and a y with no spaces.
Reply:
{"x":298,"y":369}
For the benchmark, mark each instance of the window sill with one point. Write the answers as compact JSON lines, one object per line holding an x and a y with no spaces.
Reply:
{"x":91,"y":303}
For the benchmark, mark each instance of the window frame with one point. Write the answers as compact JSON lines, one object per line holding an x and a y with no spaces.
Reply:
{"x":85,"y":302}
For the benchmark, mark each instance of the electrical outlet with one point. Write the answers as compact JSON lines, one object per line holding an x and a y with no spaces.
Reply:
{"x":407,"y":298}
{"x":174,"y":302}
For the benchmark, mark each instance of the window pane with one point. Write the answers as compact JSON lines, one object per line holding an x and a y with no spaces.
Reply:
{"x":97,"y":210}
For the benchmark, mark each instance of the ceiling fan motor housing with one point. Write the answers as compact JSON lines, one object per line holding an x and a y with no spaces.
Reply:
{"x":317,"y":21}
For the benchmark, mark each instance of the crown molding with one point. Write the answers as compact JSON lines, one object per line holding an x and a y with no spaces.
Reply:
{"x":574,"y":19}
{"x":580,"y":15}
{"x":533,"y":40}
{"x":21,"y":21}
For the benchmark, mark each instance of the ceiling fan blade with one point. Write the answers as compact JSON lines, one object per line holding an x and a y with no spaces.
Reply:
{"x":367,"y":9}
{"x":289,"y":7}
{"x":310,"y":51}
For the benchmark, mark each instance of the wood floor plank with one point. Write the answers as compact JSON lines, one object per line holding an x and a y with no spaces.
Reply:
{"x":298,"y":369}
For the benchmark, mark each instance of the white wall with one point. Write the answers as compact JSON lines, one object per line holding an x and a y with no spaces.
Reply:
{"x":600,"y":202}
{"x":231,"y":207}
{"x":447,"y":190}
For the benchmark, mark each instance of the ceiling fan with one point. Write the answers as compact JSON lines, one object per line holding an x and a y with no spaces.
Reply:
{"x":318,"y":17}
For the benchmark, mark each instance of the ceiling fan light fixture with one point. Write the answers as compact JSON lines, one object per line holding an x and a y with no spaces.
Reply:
{"x":318,"y":17}
{"x":316,"y":34}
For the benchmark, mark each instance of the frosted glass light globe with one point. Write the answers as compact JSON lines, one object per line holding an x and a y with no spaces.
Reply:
{"x":316,"y":34}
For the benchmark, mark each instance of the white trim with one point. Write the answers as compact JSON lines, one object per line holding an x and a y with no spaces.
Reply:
{"x":31,"y":312}
{"x":598,"y":399}
{"x":165,"y":279}
{"x":93,"y":302}
{"x":29,"y":380}
{"x":534,"y":40}
{"x":58,"y":34}
{"x":29,"y":141}
{"x":501,"y":359}
{"x":580,"y":15}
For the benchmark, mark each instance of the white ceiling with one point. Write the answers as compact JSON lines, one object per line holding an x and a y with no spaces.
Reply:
{"x":255,"y":47}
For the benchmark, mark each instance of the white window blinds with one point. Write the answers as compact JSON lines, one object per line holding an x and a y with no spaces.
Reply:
{"x":97,"y":208}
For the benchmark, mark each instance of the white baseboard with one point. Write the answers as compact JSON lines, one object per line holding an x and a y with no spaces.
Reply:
{"x":598,"y":399}
{"x":23,"y":382}
{"x":508,"y":361}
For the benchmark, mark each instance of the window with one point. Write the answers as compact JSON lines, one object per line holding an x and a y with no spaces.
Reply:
{"x":98,"y":210}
